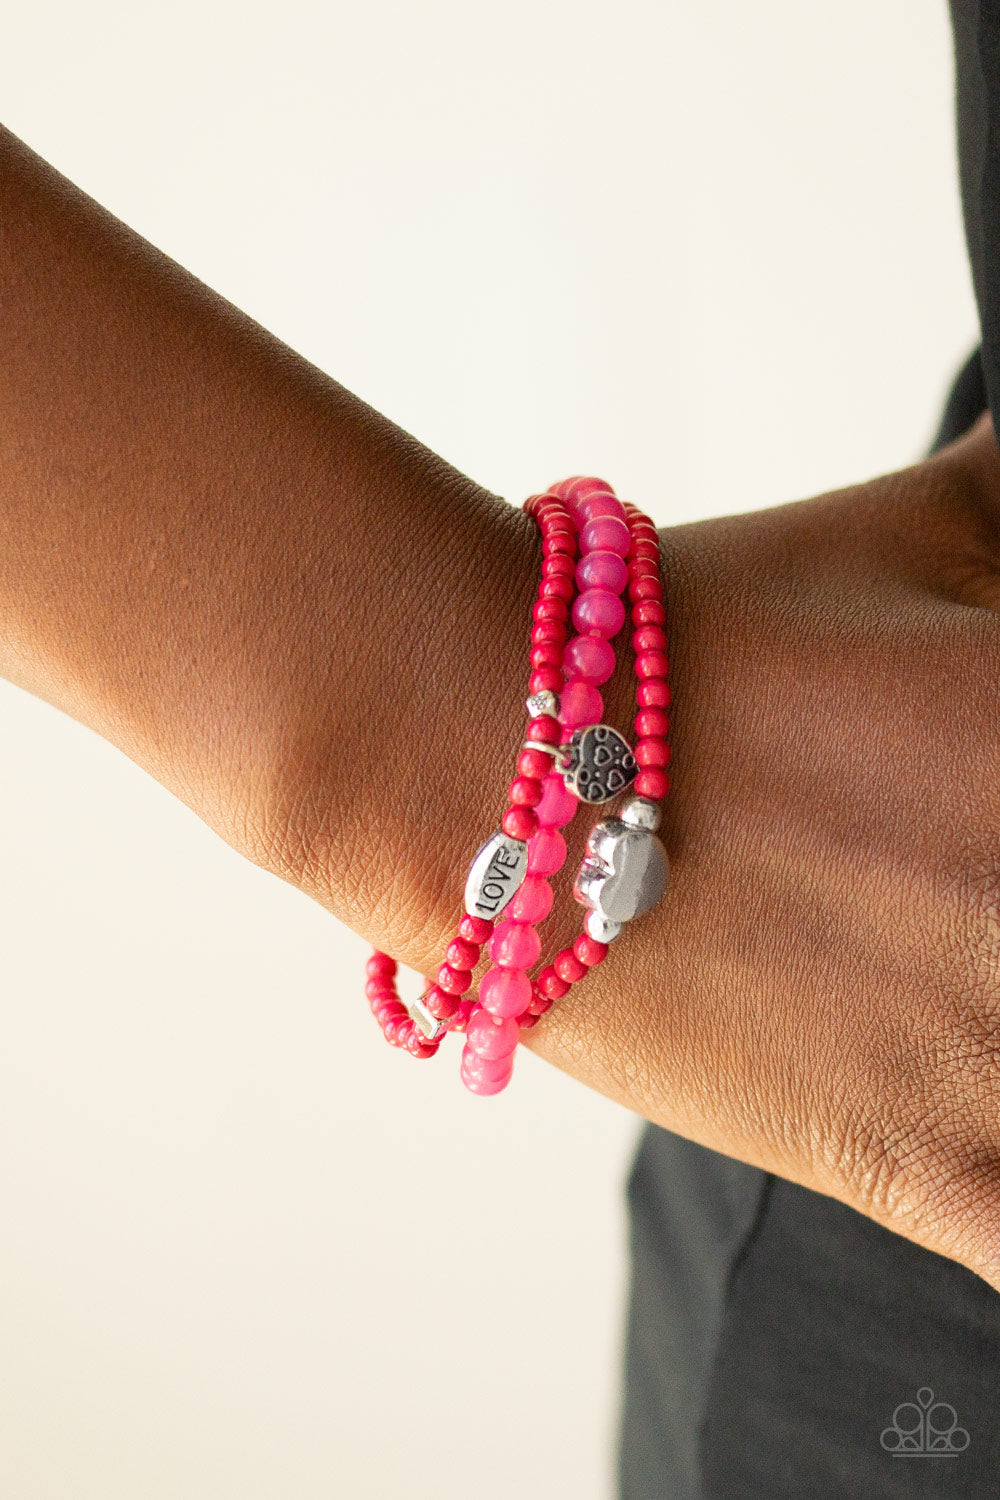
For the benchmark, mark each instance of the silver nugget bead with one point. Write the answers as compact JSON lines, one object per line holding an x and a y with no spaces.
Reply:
{"x":641,"y":813}
{"x":624,"y":872}
{"x":541,"y":703}
{"x":600,"y":927}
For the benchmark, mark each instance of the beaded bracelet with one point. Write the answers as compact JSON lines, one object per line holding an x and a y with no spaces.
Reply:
{"x":625,"y":868}
{"x":500,"y":865}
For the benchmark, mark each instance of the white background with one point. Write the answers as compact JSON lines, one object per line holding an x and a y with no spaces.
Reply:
{"x":710,"y":250}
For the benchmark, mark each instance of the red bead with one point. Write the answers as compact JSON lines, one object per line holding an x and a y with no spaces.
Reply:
{"x":550,"y":609}
{"x":550,"y":985}
{"x":519,"y":823}
{"x":476,"y":929}
{"x":440,"y":1004}
{"x":386,"y":1011}
{"x":646,"y":549}
{"x":539,"y":1003}
{"x":526,"y":791}
{"x":642,"y":528}
{"x":382,"y":984}
{"x":653,"y":751}
{"x":545,"y":730}
{"x":558,"y":551}
{"x":534,"y":763}
{"x":649,"y":638}
{"x":397,"y":1030}
{"x":568,"y":966}
{"x":644,"y":588}
{"x":461,"y":1017}
{"x":647,"y":612}
{"x":453,"y":981}
{"x":642,"y":567}
{"x":527,"y":1019}
{"x":546,"y":655}
{"x":380,"y":998}
{"x":653,"y":694}
{"x":381,"y":963}
{"x":552,"y":630}
{"x":546,"y":680}
{"x":651,"y":664}
{"x":417,"y":1045}
{"x":556,"y":588}
{"x":589,"y":951}
{"x":651,"y":783}
{"x":651,"y":721}
{"x":461,"y":954}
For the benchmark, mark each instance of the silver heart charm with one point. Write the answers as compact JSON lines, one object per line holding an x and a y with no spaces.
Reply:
{"x":598,"y":763}
{"x":624,"y":872}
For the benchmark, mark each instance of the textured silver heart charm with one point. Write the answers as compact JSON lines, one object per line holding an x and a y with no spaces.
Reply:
{"x":624,"y":872}
{"x":598,"y":763}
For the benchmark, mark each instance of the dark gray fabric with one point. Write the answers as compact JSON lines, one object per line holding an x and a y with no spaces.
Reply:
{"x":772,"y":1333}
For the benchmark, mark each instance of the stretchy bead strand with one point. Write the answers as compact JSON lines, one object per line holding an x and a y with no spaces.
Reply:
{"x":443,"y":997}
{"x":652,"y":751}
{"x":598,"y":614}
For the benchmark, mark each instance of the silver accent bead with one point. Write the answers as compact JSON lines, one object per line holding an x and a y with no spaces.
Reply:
{"x":641,"y":813}
{"x":624,"y":872}
{"x":496,"y":872}
{"x":425,"y":1023}
{"x":541,"y":703}
{"x":601,"y":928}
{"x":599,"y":763}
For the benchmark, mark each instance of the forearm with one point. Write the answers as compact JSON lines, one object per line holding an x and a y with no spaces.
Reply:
{"x":297,"y":617}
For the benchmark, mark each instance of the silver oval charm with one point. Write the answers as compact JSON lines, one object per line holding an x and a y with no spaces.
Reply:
{"x":598,"y":763}
{"x":624,"y":872}
{"x":496,"y":872}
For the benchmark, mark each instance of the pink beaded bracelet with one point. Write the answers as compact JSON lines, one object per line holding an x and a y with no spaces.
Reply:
{"x":625,"y":869}
{"x":500,"y":864}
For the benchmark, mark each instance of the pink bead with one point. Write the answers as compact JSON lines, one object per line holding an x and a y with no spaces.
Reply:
{"x":557,"y":808}
{"x":600,"y":611}
{"x":380,"y":964}
{"x":547,"y":850}
{"x":532,"y":901}
{"x":505,"y":992}
{"x":650,"y":663}
{"x":453,"y":981}
{"x":515,"y":945}
{"x":652,"y":750}
{"x":589,"y":657}
{"x":475,"y":929}
{"x":651,"y":783}
{"x":601,"y":570}
{"x":577,"y":488}
{"x":600,"y":505}
{"x":480,"y":1077}
{"x":605,"y":533}
{"x":580,"y":703}
{"x":491,"y":1038}
{"x":654,"y":693}
{"x":519,"y":822}
{"x":461,"y":954}
{"x":648,"y":612}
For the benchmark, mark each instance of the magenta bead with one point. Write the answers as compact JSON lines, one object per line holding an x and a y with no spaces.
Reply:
{"x":532,"y":901}
{"x":505,"y":992}
{"x":580,"y":703}
{"x":515,"y":945}
{"x":491,"y":1038}
{"x":557,"y":808}
{"x":483,"y":1077}
{"x":599,"y":611}
{"x":589,"y":657}
{"x":547,"y":848}
{"x":605,"y":534}
{"x":599,"y":505}
{"x":602,"y":570}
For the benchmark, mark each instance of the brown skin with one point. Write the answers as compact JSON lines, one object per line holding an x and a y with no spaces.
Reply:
{"x":314,"y":632}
